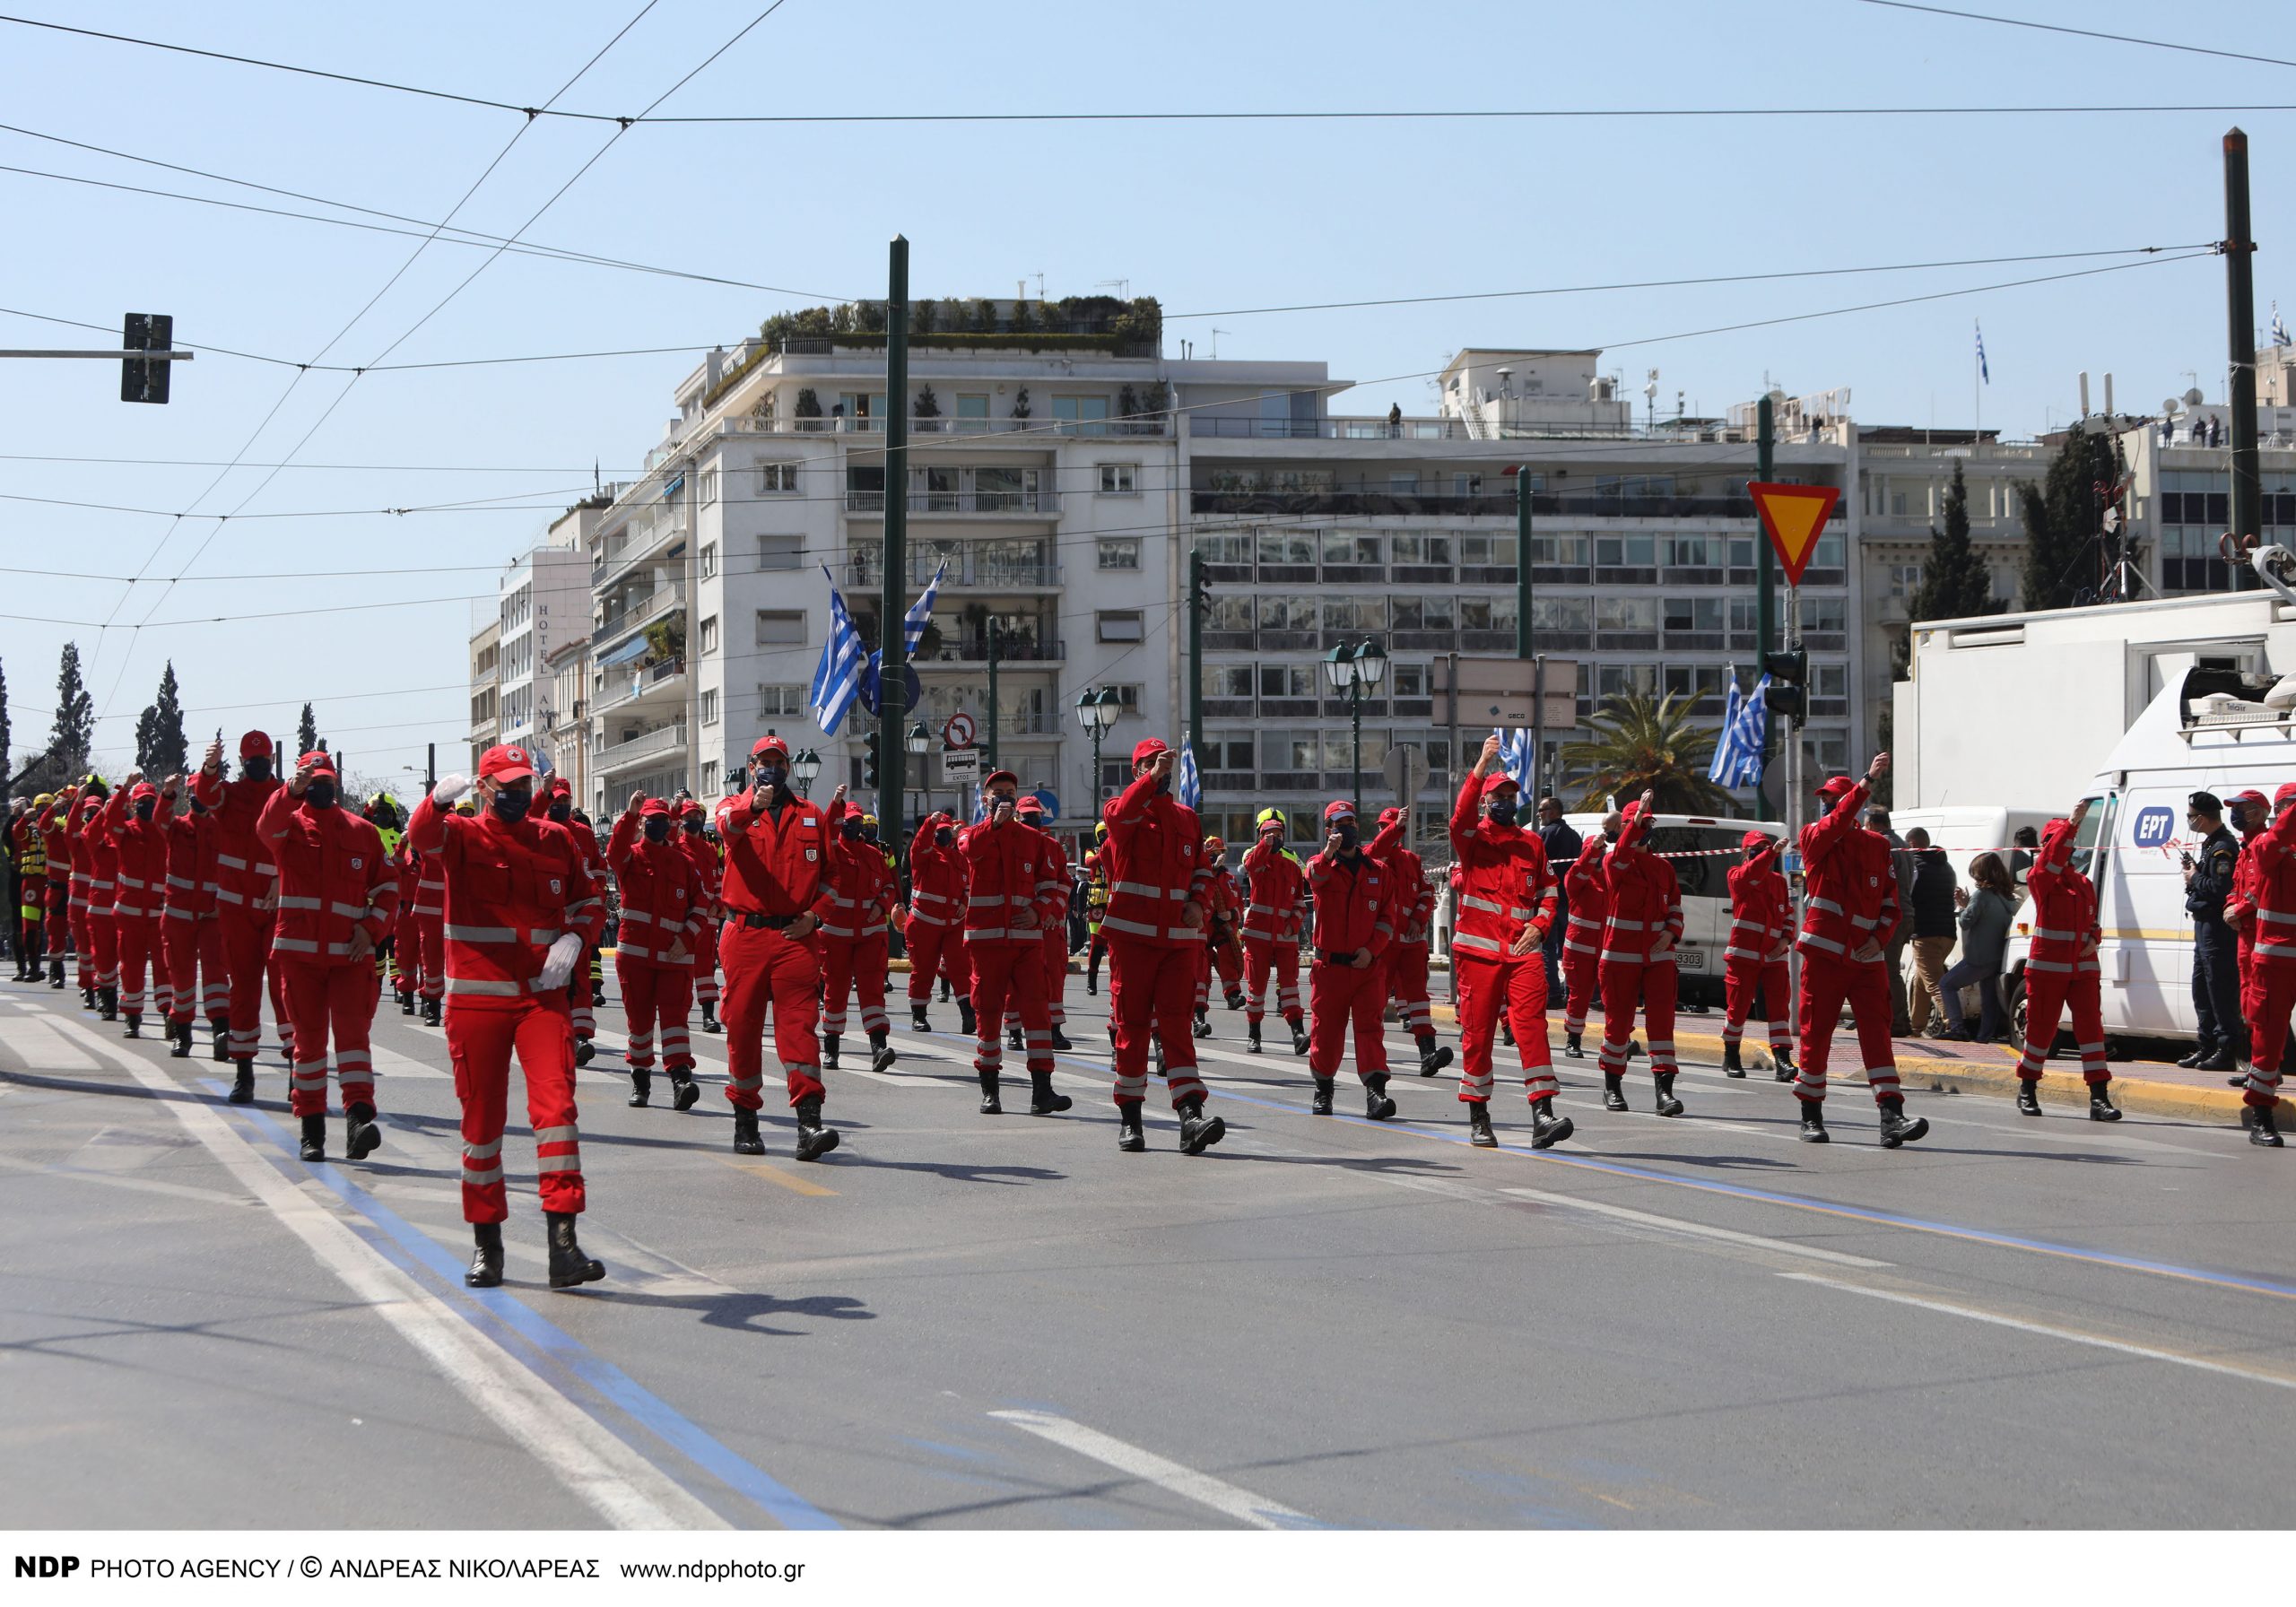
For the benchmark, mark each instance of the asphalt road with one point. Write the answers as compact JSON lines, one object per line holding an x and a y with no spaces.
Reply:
{"x":960,"y":1321}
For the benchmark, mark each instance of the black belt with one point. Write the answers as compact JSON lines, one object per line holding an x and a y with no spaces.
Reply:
{"x":779,"y":923}
{"x":1338,"y":956}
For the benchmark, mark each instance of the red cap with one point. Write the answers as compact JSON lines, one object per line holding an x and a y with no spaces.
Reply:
{"x":769,"y":744}
{"x":1496,"y":779}
{"x":1339,"y":808}
{"x":994,"y":776}
{"x":254,"y":744}
{"x":143,"y":790}
{"x":318,"y":760}
{"x":1632,"y":812}
{"x":1029,"y":807}
{"x":2251,"y":796}
{"x":505,"y":763}
{"x":1147,"y":749}
{"x":1390,"y":815}
{"x":1834,"y":786}
{"x":1754,"y":840}
{"x":2282,"y":793}
{"x":652,"y":807}
{"x":555,"y":785}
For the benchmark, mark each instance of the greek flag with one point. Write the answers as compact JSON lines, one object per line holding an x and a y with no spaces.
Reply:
{"x":2279,"y":329}
{"x":1737,"y":754}
{"x":920,"y":613}
{"x":1189,"y":786}
{"x":1984,"y":373}
{"x":837,"y":679}
{"x":1515,"y":755}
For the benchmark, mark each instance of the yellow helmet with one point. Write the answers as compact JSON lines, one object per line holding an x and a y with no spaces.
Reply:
{"x":1100,"y":831}
{"x":43,"y":800}
{"x":1268,"y":814}
{"x":868,"y":819}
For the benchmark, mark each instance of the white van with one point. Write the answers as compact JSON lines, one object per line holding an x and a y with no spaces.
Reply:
{"x":1702,"y":850}
{"x":1965,"y":830}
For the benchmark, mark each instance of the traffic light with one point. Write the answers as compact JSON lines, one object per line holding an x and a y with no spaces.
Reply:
{"x":1789,"y":675}
{"x":142,"y":381}
{"x":869,"y":765}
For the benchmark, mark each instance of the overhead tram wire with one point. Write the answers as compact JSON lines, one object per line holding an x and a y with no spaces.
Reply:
{"x":2086,"y":33}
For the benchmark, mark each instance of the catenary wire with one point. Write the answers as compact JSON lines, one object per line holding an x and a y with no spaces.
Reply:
{"x":2086,"y":33}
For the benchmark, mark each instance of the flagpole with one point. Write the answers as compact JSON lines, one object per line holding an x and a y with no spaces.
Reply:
{"x":1977,"y":392}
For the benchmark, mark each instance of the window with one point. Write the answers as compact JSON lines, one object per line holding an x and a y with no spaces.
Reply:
{"x":934,"y":489}
{"x":1127,"y":697}
{"x":1005,"y":491}
{"x":1905,"y":579}
{"x":1613,"y":680}
{"x":782,"y":699}
{"x":1830,"y":680}
{"x":1822,"y":613}
{"x":1402,"y":482}
{"x":1626,"y":614}
{"x":1694,"y":551}
{"x":1694,"y":680}
{"x":1081,"y":415}
{"x":1287,"y":613}
{"x":1693,"y":613}
{"x":1225,"y":549}
{"x":1742,"y":553}
{"x":1119,"y":625}
{"x":1562,"y":614}
{"x":710,"y":561}
{"x":1227,"y":681}
{"x":1407,"y":680}
{"x":780,"y":628}
{"x":1435,"y":611}
{"x":1634,"y":485}
{"x":1744,"y":618}
{"x":777,"y":477}
{"x":709,"y":778}
{"x":780,"y":552}
{"x":973,"y":407}
{"x":1291,"y":750}
{"x":1487,"y":613}
{"x":710,"y":706}
{"x":709,"y":634}
{"x":1120,"y":553}
{"x":1351,"y":547}
{"x":1287,"y":679}
{"x":1487,"y":549}
{"x":1229,"y":612}
{"x":1411,"y":549}
{"x":1466,"y":485}
{"x":1633,"y":551}
{"x":1288,"y":547}
{"x":1117,"y":479}
{"x":708,"y":486}
{"x":1567,"y":550}
{"x":1355,"y":614}
{"x":1828,"y":554}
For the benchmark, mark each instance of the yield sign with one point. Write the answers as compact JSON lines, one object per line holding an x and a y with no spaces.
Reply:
{"x":1793,"y":514}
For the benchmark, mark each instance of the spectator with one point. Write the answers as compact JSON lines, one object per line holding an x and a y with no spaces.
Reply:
{"x":2216,"y":948}
{"x":1985,"y":935}
{"x":1932,"y":916}
{"x":1562,"y":846}
{"x":1394,"y":421}
{"x":1902,"y":865}
{"x":2028,"y":843}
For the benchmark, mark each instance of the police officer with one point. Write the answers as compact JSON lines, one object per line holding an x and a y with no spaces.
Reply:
{"x":2215,"y":946}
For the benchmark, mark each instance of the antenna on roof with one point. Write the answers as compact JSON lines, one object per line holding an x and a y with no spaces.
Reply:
{"x":1216,"y":334}
{"x":1123,"y":287}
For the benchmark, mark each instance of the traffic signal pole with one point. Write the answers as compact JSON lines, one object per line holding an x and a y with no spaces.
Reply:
{"x":1199,"y":596}
{"x":1765,"y":592}
{"x":993,"y":646}
{"x":2240,"y":305}
{"x":893,"y":671}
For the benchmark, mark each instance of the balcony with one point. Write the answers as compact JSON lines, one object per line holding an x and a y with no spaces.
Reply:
{"x":651,"y":682}
{"x":968,"y":570}
{"x":1005,"y":505}
{"x":651,"y":745}
{"x":969,"y":648}
{"x":618,"y":557}
{"x":826,"y":424}
{"x":661,"y":603}
{"x":1391,"y":503}
{"x":1207,"y":426}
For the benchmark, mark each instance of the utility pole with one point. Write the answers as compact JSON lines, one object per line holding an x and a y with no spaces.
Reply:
{"x":2240,"y":310}
{"x":893,"y":666}
{"x":1199,"y":591}
{"x":993,"y":644}
{"x":1523,"y":619}
{"x":1765,"y":592}
{"x":430,"y":766}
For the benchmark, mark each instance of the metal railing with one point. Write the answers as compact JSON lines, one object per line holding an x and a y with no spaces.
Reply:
{"x":835,"y":424}
{"x":618,"y":689}
{"x":1360,"y":501}
{"x":1006,"y":504}
{"x":965,"y":570}
{"x":663,"y":600}
{"x":618,"y":557}
{"x":615,"y":756}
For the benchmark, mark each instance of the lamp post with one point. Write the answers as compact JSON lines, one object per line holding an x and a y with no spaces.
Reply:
{"x":918,"y":743}
{"x":804,"y":768}
{"x":1097,"y":712}
{"x":1356,"y":671}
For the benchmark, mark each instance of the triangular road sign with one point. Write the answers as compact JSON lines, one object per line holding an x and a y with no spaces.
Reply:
{"x":1793,"y":515}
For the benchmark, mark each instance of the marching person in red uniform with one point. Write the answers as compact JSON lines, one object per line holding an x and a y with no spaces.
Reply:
{"x":935,"y":930}
{"x":663,"y":908}
{"x":1016,"y":880}
{"x":2062,"y":972}
{"x":52,"y":823}
{"x":2250,"y":813}
{"x":139,"y":845}
{"x":1159,"y":888}
{"x":2271,"y":914}
{"x":1754,"y":960}
{"x":1407,"y":961}
{"x":406,"y":941}
{"x":1638,"y":965}
{"x":581,"y":993}
{"x":190,"y":936}
{"x":693,"y":838}
{"x":246,"y":895}
{"x":337,"y":896}
{"x":1220,"y":950}
{"x":856,"y":897}
{"x":776,"y":850}
{"x":1588,"y":890}
{"x":521,"y":907}
{"x":1096,"y":947}
{"x":94,"y":841}
{"x":1056,"y":929}
{"x":1849,"y":910}
{"x":1506,"y":903}
{"x":1275,"y":910}
{"x":1347,"y":981}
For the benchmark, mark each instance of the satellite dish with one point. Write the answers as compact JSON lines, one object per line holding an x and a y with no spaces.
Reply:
{"x":2192,"y":398}
{"x":2168,"y":406}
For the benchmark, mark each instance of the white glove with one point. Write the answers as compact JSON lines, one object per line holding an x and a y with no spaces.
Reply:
{"x":449,"y":791}
{"x":560,"y":966}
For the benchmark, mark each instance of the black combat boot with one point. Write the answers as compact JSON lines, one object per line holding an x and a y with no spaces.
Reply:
{"x":1203,"y":1024}
{"x":1572,"y":1047}
{"x":314,"y":1138}
{"x":1014,"y":1038}
{"x":945,"y":990}
{"x":1299,"y":1038}
{"x":829,"y":1052}
{"x":2263,"y":1130}
{"x":362,"y":1135}
{"x":221,"y":1050}
{"x":1479,"y":1132}
{"x":684,"y":1091}
{"x":1042,"y":1100}
{"x":1432,"y":1057}
{"x":992,"y":1101}
{"x":486,"y":1260}
{"x":1251,"y":1038}
{"x":108,"y":1004}
{"x":2200,"y":1053}
{"x":1813,"y":1122}
{"x":1732,"y":1065}
{"x":1782,"y":1068}
{"x":2029,"y":1096}
{"x":746,"y":1141}
{"x":709,"y":1023}
{"x":1235,"y":998}
{"x":87,"y":998}
{"x":55,"y":975}
{"x":406,"y":1003}
{"x":1506,"y":1030}
{"x":432,"y":1010}
{"x":813,"y":1140}
{"x":1668,"y":1104}
{"x":1547,"y":1127}
{"x":918,"y":1022}
{"x":1377,"y":1106}
{"x":1129,"y":1138}
{"x":2219,"y":1060}
{"x":1614,"y":1095}
{"x":568,"y":1265}
{"x":2102,"y":1107}
{"x":1321,"y":1104}
{"x":966,"y":1024}
{"x":135,"y":1025}
{"x":1198,"y":1132}
{"x":585,"y":1051}
{"x":1060,"y":1043}
{"x":180,"y":1040}
{"x":1897,"y":1128}
{"x":881,"y":1051}
{"x":242,"y":1083}
{"x":641,"y":1088}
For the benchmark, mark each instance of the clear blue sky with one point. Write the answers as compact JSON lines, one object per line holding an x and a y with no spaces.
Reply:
{"x":1204,"y":216}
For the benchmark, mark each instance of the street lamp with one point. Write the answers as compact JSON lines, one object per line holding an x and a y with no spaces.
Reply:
{"x":918,"y":743}
{"x":804,"y":768}
{"x":1097,"y":712}
{"x":1356,"y":671}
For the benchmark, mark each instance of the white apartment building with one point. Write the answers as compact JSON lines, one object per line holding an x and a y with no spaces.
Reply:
{"x":543,"y":601}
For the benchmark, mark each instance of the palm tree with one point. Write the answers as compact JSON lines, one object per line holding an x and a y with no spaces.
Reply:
{"x":1640,"y":742}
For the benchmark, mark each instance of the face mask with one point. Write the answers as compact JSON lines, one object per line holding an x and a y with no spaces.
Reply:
{"x":998,"y":800}
{"x":197,"y":807}
{"x":561,"y":809}
{"x":772,"y":776}
{"x":944,"y":837}
{"x":511,"y":807}
{"x":657,"y":830}
{"x":144,"y":808}
{"x":320,"y":794}
{"x":1347,"y":834}
{"x":693,"y":828}
{"x":850,"y":831}
{"x":1502,"y":812}
{"x":255,"y":770}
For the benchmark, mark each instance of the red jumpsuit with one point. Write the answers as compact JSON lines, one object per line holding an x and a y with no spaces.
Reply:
{"x":55,"y":838}
{"x":93,"y":842}
{"x":140,"y":868}
{"x":1638,"y":937}
{"x":773,"y":875}
{"x":857,"y":898}
{"x":581,"y":993}
{"x":1056,"y":940}
{"x":333,"y":878}
{"x":246,"y":883}
{"x":406,"y":957}
{"x":191,"y":935}
{"x":1851,"y":901}
{"x":936,"y":905}
{"x":1154,"y":858}
{"x":1273,"y":915}
{"x":1011,"y":870}
{"x":1220,"y":950}
{"x":711,"y":869}
{"x":1506,"y":891}
{"x":510,"y":891}
{"x":2240,"y":914}
{"x":1354,"y":912}
{"x":1590,"y":892}
{"x":2062,"y":970}
{"x":2272,"y":992}
{"x":663,"y":906}
{"x":1761,"y":919}
{"x":1414,"y":910}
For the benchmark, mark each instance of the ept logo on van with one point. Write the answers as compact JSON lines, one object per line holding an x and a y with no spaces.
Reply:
{"x":2155,"y":825}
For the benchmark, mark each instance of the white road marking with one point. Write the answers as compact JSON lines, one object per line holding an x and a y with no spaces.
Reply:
{"x":1242,"y":1505}
{"x":2072,"y":1336}
{"x":1668,"y":1224}
{"x":390,"y":1062}
{"x":624,"y":1490}
{"x":42,"y":1046}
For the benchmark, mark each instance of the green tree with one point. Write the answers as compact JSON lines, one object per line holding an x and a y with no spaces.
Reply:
{"x":1955,"y":583}
{"x":2061,"y":516}
{"x":1643,"y":744}
{"x":75,"y":715}
{"x":160,"y":748}
{"x":307,"y":734}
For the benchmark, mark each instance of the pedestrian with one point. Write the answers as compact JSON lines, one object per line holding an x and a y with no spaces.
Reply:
{"x":2062,"y":972}
{"x":1096,"y":905}
{"x":1274,"y":913}
{"x":857,"y":898}
{"x":1159,"y":892}
{"x":522,"y":908}
{"x":1562,"y":842}
{"x":1984,"y":936}
{"x":1851,"y":911}
{"x":1755,"y":959}
{"x":92,"y":839}
{"x":247,"y":896}
{"x":406,"y":946}
{"x":1016,"y":884}
{"x":935,"y":928}
{"x":2251,"y":812}
{"x":1638,"y":965}
{"x":1935,"y":895}
{"x":1221,"y":951}
{"x":1394,"y":421}
{"x":700,"y":847}
{"x":2023,"y":845}
{"x":1583,"y":884}
{"x":1877,"y":821}
{"x":138,"y":837}
{"x":1506,"y":904}
{"x":27,"y":848}
{"x":191,"y":938}
{"x":51,"y":822}
{"x":663,"y":908}
{"x":1415,"y":917}
{"x":336,"y":898}
{"x":2272,"y":988}
{"x":2215,"y":946}
{"x":1031,"y":810}
{"x":1347,"y":977}
{"x":582,"y":992}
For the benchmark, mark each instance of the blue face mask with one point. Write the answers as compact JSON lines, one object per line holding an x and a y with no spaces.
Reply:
{"x":320,"y":794}
{"x":657,"y":830}
{"x":772,"y":776}
{"x":144,"y":808}
{"x":1502,"y":812}
{"x":510,"y":807}
{"x":257,"y":769}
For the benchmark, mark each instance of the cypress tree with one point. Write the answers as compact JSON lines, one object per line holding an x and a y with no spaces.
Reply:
{"x":75,"y":715}
{"x":1955,"y":583}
